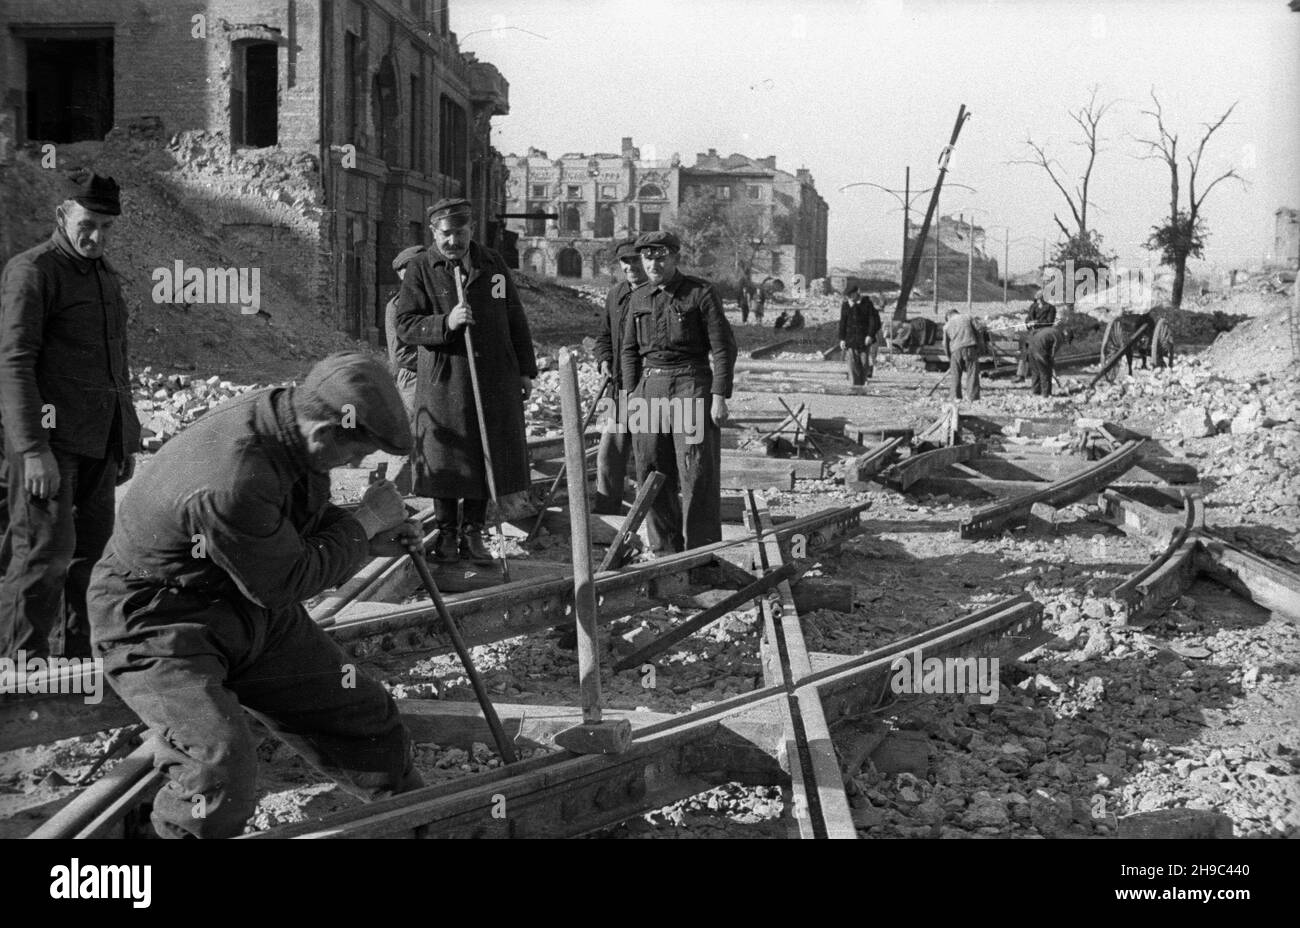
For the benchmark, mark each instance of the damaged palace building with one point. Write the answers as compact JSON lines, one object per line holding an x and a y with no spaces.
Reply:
{"x":597,"y":200}
{"x":362,"y":112}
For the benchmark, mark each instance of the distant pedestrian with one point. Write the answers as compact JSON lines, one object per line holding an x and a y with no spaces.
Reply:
{"x":402,"y":358}
{"x":858,"y":333}
{"x":796,"y":321}
{"x":743,"y":300}
{"x":1043,"y":345}
{"x":961,"y":343}
{"x":759,"y":303}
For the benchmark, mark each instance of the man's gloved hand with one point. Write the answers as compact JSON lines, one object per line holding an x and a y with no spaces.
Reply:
{"x":41,"y":474}
{"x":396,"y":542}
{"x":381,"y":509}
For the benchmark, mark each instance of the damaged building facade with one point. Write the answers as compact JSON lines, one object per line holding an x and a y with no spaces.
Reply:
{"x":372,"y":101}
{"x":597,"y":200}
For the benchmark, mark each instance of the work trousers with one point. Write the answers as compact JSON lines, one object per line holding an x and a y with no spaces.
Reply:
{"x":964,"y":373}
{"x":188,"y":664}
{"x":858,"y":361}
{"x":612,"y":460}
{"x":52,"y":544}
{"x":472,"y":512}
{"x":1042,"y":374}
{"x":405,"y":466}
{"x":687,"y":450}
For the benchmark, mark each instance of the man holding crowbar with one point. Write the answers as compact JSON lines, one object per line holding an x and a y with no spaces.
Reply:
{"x":470,"y":389}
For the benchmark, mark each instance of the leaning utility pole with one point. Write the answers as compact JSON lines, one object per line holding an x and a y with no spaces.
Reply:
{"x":914,"y":265}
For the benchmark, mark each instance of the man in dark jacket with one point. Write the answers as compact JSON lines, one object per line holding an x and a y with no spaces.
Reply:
{"x":962,"y":343}
{"x":402,"y":358}
{"x":859,"y":328}
{"x":1043,"y":345}
{"x":675,"y":326}
{"x":616,"y":441}
{"x":69,"y":421}
{"x":449,"y":462}
{"x":196,"y":607}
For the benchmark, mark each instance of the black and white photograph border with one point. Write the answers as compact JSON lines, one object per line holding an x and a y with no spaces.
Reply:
{"x":985,"y":522}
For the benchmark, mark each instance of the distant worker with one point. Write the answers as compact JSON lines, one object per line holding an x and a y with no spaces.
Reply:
{"x":69,"y":420}
{"x":449,"y":465}
{"x":615,"y":443}
{"x":858,"y":333}
{"x":781,"y":321}
{"x":796,"y":321}
{"x":759,"y":302}
{"x":675,"y":327}
{"x":961,"y":343}
{"x":1043,"y":345}
{"x":742,"y":300}
{"x":1039,"y":315}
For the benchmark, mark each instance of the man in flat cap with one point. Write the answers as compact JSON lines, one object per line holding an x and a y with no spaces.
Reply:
{"x":401,"y":357}
{"x":616,"y":442}
{"x":449,"y":465}
{"x":675,"y":326}
{"x":196,"y":607}
{"x":69,"y":421}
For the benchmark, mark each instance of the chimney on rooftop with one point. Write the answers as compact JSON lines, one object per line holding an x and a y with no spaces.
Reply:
{"x":627,"y":145}
{"x":769,"y":162}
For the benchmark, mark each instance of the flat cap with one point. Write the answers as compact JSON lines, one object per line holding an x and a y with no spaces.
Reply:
{"x":96,"y":192}
{"x":625,"y":249}
{"x":451,"y":207}
{"x":406,"y":256}
{"x":655,"y":239}
{"x":356,"y":380}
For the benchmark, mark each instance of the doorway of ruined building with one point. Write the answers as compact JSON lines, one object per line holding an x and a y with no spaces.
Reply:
{"x":569,"y":263}
{"x":69,"y":85}
{"x":254,"y":93}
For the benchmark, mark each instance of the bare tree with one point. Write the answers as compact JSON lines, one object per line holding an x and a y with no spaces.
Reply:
{"x":1182,"y":235}
{"x":1087,"y":118}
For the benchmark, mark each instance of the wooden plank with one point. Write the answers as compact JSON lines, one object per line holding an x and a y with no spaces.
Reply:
{"x":744,"y":478}
{"x":872,"y":463}
{"x":618,"y":551}
{"x":1262,"y":582}
{"x":766,"y":351}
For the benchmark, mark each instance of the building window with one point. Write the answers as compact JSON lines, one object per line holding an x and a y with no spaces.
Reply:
{"x":755,"y":192}
{"x":453,"y":140}
{"x":608,"y":192}
{"x":631,"y":219}
{"x":604,"y":221}
{"x":575,"y":192}
{"x":651,"y":192}
{"x":539,"y":191}
{"x":649,"y":220}
{"x":352,"y":79}
{"x":724,"y":193}
{"x":415,"y":230}
{"x":416,"y":123}
{"x":254,"y":93}
{"x":571,"y":219}
{"x":776,"y":263}
{"x":535,"y":227}
{"x":569,"y":263}
{"x":70,"y":88}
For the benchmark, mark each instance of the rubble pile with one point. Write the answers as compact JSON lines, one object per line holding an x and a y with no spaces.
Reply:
{"x":166,"y":403}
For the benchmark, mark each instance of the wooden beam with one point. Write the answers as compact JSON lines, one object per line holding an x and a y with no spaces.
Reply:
{"x":804,"y":468}
{"x":1266,"y":584}
{"x":767,"y":351}
{"x":617,"y":553}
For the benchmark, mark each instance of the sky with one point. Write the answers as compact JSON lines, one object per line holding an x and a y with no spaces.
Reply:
{"x":856,"y":90}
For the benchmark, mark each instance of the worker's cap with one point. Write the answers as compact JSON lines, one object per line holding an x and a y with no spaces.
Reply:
{"x":626,"y":250}
{"x":358,"y":384}
{"x":455,"y":210}
{"x":853,"y":288}
{"x":659,"y":240}
{"x":95,"y":192}
{"x":406,"y":256}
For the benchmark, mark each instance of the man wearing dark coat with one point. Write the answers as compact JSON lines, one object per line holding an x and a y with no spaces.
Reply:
{"x":69,"y":421}
{"x":1043,"y":344}
{"x":449,"y":465}
{"x":615,"y":442}
{"x":859,"y":329}
{"x":196,"y":607}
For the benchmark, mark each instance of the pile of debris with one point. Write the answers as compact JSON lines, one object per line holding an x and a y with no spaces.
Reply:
{"x":166,"y":403}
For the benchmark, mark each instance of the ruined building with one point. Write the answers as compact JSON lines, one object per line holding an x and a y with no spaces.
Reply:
{"x":599,"y":199}
{"x":372,"y":100}
{"x":1286,"y":237}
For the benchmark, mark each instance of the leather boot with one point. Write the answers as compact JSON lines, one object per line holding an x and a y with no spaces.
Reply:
{"x":443,"y":547}
{"x":472,"y":546}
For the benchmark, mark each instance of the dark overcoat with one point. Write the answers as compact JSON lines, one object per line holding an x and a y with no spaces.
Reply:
{"x":448,"y":451}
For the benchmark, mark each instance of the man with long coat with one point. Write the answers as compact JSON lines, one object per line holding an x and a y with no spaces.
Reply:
{"x":449,"y":465}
